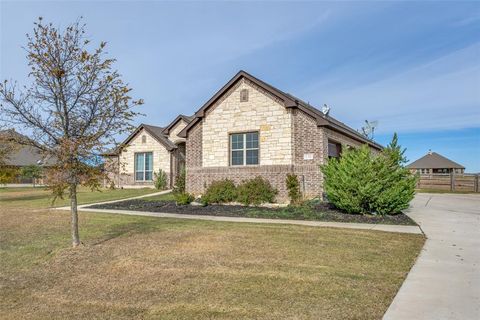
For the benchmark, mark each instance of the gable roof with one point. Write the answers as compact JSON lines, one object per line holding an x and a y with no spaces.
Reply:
{"x":24,"y":155}
{"x":154,"y":131}
{"x":172,"y":124}
{"x":433,"y":160}
{"x":289,"y":101}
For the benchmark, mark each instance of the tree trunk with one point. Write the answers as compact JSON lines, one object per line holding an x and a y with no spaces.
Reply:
{"x":73,"y":210}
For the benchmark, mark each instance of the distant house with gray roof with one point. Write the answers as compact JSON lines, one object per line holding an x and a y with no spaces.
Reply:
{"x":23,"y":155}
{"x":433,"y":162}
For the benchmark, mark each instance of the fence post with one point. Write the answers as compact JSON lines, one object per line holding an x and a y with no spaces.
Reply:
{"x":475,"y":183}
{"x":452,"y":181}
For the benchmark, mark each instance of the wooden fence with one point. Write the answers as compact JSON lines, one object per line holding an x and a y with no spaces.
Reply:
{"x":449,"y":182}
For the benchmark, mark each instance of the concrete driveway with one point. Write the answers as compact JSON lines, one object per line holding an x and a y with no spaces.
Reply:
{"x":445,"y":281}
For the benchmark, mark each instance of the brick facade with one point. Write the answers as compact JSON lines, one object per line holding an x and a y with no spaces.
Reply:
{"x":308,"y":142}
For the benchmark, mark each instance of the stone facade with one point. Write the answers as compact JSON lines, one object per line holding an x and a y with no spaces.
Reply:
{"x":262,"y":113}
{"x":173,"y":134}
{"x":125,"y":167}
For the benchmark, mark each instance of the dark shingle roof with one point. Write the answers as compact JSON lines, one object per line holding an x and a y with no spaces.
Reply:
{"x":289,"y":102}
{"x":185,"y":118}
{"x":24,"y":155}
{"x":156,"y":132}
{"x":433,"y":160}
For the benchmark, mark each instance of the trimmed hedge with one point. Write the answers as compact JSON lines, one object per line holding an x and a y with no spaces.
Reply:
{"x":256,"y":191}
{"x":221,"y":191}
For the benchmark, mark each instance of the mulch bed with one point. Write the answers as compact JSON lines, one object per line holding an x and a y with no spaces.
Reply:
{"x":318,"y":212}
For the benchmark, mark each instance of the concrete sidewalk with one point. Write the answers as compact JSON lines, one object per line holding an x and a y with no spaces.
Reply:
{"x":362,"y":226}
{"x":445,"y":281}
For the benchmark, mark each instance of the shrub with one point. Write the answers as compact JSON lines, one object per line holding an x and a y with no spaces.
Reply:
{"x":33,"y":172}
{"x":8,"y":175}
{"x":220,"y":192}
{"x":160,"y":180}
{"x":180,"y":182}
{"x":256,"y":191}
{"x":293,"y":187}
{"x":183,"y":198}
{"x":360,"y":182}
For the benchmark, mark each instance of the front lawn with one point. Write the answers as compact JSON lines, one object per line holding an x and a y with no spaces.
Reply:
{"x":42,"y":197}
{"x":312,"y":210}
{"x":142,"y":267}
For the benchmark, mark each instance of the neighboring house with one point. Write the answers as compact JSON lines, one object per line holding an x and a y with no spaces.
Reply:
{"x":250,"y":128}
{"x":148,"y":149}
{"x":23,"y":155}
{"x":433,"y":162}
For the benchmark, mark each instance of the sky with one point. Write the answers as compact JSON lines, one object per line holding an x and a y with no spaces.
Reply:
{"x":412,"y":66}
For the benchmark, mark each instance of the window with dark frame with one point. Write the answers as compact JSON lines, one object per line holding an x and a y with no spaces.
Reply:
{"x":334,"y":149}
{"x":244,"y":149}
{"x":144,"y":166}
{"x":244,"y":95}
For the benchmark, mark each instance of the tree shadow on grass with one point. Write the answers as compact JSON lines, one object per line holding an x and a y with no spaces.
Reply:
{"x":119,"y":230}
{"x":28,"y":198}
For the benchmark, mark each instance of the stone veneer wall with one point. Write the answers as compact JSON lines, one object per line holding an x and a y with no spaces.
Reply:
{"x":173,"y":135}
{"x":262,"y":112}
{"x":161,"y":159}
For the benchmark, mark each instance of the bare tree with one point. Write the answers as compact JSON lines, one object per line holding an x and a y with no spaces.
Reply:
{"x":74,"y":107}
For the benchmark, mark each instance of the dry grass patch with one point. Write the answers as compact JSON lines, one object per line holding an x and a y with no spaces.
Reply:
{"x":150,"y":268}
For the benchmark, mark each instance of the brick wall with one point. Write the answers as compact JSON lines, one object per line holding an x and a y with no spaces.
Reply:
{"x":193,"y":160}
{"x":308,"y":144}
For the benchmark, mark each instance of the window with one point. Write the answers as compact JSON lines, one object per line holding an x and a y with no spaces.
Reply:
{"x":244,"y":149}
{"x":244,"y":95}
{"x":144,"y":139}
{"x":334,"y":149}
{"x":143,"y":166}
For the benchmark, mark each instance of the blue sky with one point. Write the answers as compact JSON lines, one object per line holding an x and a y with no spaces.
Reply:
{"x":413,"y":66}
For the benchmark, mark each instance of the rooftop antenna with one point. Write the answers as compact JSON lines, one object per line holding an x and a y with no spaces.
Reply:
{"x":369,"y":129}
{"x":325,"y":109}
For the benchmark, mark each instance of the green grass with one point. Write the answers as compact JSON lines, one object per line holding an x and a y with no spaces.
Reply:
{"x":42,"y":197}
{"x":133,"y":267}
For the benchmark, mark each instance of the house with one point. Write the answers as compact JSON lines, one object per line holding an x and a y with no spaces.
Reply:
{"x":433,"y":162}
{"x":147,"y":150}
{"x":23,"y":155}
{"x":250,"y":128}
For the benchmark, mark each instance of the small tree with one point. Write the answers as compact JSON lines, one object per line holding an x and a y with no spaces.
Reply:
{"x":7,"y":146}
{"x":75,"y":106}
{"x":360,"y":182}
{"x":33,"y":172}
{"x":160,"y":180}
{"x":293,"y":187}
{"x":179,"y":186}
